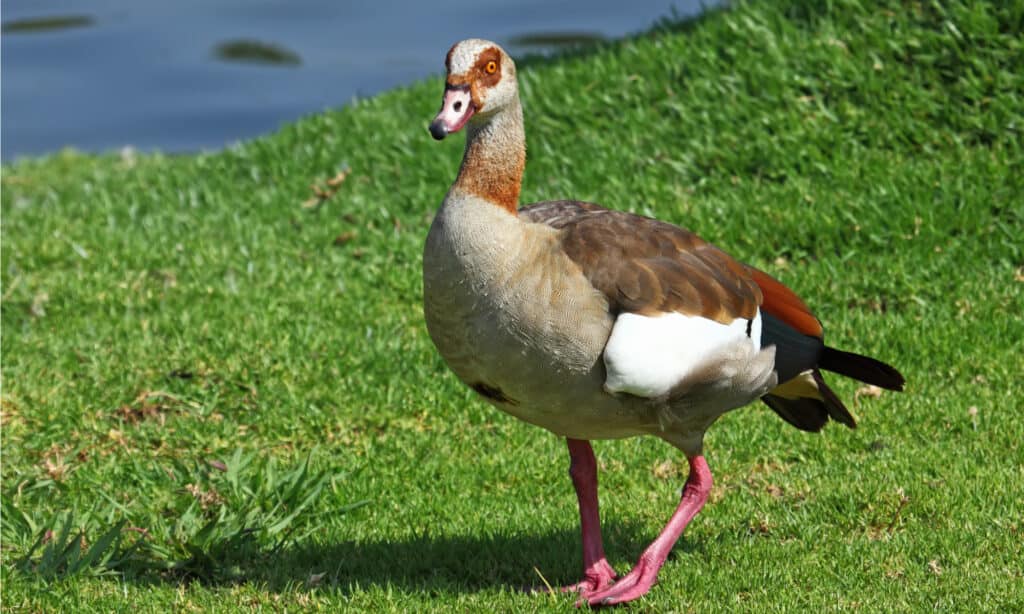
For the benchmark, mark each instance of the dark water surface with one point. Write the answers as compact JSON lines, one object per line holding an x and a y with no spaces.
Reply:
{"x":200,"y":74}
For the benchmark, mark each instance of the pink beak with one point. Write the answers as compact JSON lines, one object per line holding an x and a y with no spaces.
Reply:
{"x":456,"y":109}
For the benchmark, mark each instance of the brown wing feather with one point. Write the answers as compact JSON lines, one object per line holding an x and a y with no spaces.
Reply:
{"x":646,"y":266}
{"x":785,"y":305}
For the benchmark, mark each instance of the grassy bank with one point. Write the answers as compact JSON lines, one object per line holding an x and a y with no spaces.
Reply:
{"x":218,"y":391}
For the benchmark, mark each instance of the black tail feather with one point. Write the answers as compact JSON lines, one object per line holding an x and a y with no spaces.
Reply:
{"x":861,"y":368}
{"x":836,"y":410}
{"x":805,"y":414}
{"x":811,"y":414}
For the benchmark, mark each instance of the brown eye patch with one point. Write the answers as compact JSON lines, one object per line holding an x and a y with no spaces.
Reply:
{"x":488,"y":65}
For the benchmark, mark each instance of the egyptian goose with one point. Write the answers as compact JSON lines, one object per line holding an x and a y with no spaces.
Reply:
{"x":601,"y":324}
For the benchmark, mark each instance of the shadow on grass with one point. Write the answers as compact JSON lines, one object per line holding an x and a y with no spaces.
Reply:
{"x":441,"y":565}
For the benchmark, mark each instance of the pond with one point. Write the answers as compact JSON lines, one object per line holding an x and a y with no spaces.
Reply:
{"x":200,"y":74}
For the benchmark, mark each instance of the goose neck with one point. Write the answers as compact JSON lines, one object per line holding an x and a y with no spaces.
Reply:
{"x":495,"y":156}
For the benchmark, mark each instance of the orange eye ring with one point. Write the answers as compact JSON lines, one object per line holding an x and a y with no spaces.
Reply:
{"x":491,"y":67}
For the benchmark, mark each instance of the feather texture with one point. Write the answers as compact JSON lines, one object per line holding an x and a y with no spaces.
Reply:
{"x":649,"y":267}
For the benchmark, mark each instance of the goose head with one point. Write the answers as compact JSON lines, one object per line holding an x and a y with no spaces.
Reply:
{"x":481,"y":81}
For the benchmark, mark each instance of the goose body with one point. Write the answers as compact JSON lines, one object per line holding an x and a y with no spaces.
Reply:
{"x":519,"y":322}
{"x":600,"y":324}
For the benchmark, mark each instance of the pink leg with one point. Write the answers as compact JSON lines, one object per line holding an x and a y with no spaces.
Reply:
{"x":638,"y":581}
{"x":597,"y":573}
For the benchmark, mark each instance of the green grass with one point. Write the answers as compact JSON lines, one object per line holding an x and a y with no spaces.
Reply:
{"x":215,"y":398}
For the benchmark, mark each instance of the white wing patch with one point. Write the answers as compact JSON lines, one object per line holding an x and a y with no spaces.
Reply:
{"x":648,"y":356}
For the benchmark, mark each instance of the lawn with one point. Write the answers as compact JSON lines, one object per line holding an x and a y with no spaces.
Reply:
{"x":219,"y":394}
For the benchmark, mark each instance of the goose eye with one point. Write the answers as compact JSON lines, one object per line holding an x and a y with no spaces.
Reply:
{"x":491,"y":67}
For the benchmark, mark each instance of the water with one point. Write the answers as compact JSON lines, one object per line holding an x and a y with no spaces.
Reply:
{"x":200,"y":74}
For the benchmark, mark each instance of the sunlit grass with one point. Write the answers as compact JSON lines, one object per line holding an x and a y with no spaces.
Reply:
{"x":219,"y":394}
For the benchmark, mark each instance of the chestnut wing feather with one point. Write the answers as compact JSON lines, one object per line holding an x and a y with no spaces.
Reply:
{"x":785,"y":305}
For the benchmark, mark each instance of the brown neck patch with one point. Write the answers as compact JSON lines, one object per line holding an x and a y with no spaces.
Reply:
{"x":495,"y":157}
{"x":495,"y":176}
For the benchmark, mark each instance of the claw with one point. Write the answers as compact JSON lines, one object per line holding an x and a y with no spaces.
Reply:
{"x":633,"y":585}
{"x":600,"y":577}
